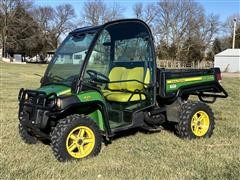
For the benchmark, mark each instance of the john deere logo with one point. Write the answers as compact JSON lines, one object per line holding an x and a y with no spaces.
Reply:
{"x":87,"y":97}
{"x":173,"y":86}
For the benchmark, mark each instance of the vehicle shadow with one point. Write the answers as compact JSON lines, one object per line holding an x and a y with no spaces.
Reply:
{"x":170,"y":127}
{"x":126,"y":133}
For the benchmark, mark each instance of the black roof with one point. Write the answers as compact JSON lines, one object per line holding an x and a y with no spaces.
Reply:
{"x":87,"y":28}
{"x":95,"y":28}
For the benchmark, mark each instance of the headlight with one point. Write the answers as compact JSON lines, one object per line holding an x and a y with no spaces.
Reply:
{"x":26,"y":96}
{"x":58,"y":103}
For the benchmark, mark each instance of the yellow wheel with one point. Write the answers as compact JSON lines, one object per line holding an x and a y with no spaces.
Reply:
{"x":200,"y":123}
{"x":80,"y":142}
{"x":196,"y":121}
{"x":76,"y":137}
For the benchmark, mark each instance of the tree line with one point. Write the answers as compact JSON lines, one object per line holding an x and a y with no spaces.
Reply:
{"x":181,"y":28}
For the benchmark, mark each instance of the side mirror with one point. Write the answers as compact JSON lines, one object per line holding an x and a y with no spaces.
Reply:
{"x":41,"y":80}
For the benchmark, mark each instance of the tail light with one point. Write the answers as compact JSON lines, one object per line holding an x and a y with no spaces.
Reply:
{"x":219,"y":76}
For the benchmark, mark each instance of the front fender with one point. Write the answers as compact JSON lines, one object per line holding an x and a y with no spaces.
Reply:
{"x":94,"y":109}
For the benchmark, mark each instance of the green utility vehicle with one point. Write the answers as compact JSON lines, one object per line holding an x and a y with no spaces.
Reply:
{"x":104,"y":80}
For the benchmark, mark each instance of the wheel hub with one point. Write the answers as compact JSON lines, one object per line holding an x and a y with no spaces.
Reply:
{"x":80,"y":142}
{"x":200,"y":123}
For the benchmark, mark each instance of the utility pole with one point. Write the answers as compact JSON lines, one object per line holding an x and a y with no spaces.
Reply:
{"x":234,"y":33}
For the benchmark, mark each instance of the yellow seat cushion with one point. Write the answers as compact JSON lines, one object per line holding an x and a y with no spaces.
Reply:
{"x":135,"y":74}
{"x":106,"y":92}
{"x":121,"y":74}
{"x":116,"y":75}
{"x":124,"y":96}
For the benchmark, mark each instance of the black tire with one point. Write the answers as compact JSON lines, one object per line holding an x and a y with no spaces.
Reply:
{"x":183,"y":127}
{"x":63,"y":129}
{"x":26,"y":136}
{"x":154,"y":120}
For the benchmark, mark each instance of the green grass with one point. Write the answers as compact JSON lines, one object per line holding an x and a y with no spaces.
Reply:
{"x":139,"y":156}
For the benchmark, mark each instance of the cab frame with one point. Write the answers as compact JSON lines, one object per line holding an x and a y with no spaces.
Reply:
{"x":137,"y":115}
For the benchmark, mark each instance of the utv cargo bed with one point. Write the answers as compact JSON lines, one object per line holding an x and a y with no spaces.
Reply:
{"x":204,"y":83}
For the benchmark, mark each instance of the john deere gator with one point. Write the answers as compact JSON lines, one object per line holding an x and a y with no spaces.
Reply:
{"x":102,"y":81}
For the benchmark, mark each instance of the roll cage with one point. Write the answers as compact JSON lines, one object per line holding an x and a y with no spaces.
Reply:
{"x":99,"y":29}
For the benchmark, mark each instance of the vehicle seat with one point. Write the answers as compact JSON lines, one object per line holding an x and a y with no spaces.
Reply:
{"x":126,"y":91}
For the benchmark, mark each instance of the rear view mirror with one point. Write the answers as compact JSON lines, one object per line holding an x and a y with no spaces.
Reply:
{"x":107,"y":44}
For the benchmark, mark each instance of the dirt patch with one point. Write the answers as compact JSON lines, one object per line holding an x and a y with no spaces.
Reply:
{"x":231,"y":75}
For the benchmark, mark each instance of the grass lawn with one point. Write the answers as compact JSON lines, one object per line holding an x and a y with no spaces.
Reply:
{"x":139,"y":156}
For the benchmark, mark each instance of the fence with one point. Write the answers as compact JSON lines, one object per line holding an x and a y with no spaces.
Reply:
{"x":172,"y":64}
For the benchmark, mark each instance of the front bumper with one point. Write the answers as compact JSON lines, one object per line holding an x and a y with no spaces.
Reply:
{"x":35,"y":108}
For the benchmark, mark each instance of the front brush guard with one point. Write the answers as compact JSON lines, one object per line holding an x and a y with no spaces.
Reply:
{"x":34,"y":107}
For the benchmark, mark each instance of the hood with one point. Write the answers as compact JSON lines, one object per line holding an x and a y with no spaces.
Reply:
{"x":58,"y":89}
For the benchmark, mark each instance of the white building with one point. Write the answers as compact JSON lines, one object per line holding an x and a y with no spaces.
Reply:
{"x":228,"y":60}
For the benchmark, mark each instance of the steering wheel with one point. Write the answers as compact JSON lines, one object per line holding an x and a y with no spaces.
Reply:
{"x":97,"y":76}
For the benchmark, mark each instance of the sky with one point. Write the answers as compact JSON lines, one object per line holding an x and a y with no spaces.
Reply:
{"x":223,"y":8}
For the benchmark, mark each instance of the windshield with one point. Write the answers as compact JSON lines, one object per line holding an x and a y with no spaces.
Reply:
{"x":68,"y":60}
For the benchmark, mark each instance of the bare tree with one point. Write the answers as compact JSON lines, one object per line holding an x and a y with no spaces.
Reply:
{"x":227,"y":26}
{"x":175,"y":18}
{"x":138,"y":10}
{"x":114,"y":13}
{"x":44,"y":17}
{"x":146,"y":13}
{"x":209,"y":28}
{"x":180,"y":21}
{"x":97,"y":12}
{"x":227,"y":31}
{"x":53,"y":22}
{"x":63,"y":19}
